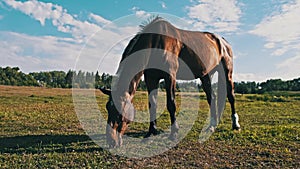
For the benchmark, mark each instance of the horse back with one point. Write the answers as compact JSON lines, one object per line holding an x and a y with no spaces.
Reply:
{"x":201,"y":51}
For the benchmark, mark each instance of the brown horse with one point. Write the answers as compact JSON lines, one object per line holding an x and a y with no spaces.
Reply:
{"x":162,"y":51}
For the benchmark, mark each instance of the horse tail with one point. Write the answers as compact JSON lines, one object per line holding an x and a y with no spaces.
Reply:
{"x":221,"y":90}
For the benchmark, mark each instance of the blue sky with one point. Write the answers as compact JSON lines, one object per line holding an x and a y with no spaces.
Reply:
{"x":91,"y":35}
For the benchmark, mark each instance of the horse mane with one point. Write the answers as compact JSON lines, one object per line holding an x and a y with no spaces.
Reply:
{"x":143,"y":26}
{"x":151,"y":20}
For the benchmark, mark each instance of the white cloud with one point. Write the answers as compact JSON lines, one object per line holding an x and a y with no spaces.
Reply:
{"x":32,"y":53}
{"x":289,"y":68}
{"x":163,"y":5}
{"x":99,"y":20}
{"x":40,"y":53}
{"x":281,"y":29}
{"x":38,"y":10}
{"x":59,"y":16}
{"x":140,"y":13}
{"x":218,"y":15}
{"x":269,"y":45}
{"x":291,"y":61}
{"x":49,"y":52}
{"x":248,"y":77}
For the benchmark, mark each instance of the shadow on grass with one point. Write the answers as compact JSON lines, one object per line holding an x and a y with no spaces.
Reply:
{"x":48,"y":143}
{"x":141,"y":133}
{"x":60,"y":143}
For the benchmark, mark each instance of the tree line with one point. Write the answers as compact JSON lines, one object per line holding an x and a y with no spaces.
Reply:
{"x":60,"y":79}
{"x":54,"y":79}
{"x":268,"y":86}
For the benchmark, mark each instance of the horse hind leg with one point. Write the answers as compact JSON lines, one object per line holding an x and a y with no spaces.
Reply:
{"x":171,"y":106}
{"x":152,"y":86}
{"x":231,"y":99}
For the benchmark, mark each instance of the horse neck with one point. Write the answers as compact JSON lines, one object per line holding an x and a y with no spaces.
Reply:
{"x":132,"y":65}
{"x":125,"y":85}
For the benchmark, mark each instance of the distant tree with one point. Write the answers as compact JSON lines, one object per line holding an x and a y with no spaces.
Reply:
{"x":98,"y":82}
{"x":69,"y":78}
{"x":106,"y":80}
{"x":294,"y":85}
{"x":58,"y":79}
{"x":246,"y":87}
{"x":80,"y":79}
{"x":13,"y":76}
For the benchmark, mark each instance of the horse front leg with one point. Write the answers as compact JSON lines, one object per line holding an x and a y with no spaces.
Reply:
{"x":121,"y":130}
{"x":152,"y":86}
{"x":171,"y":106}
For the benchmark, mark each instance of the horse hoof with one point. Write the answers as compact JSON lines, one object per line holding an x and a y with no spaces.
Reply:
{"x":147,"y":135}
{"x":235,"y":128}
{"x":210,"y":129}
{"x":173,"y":137}
{"x":153,"y":132}
{"x":175,"y":127}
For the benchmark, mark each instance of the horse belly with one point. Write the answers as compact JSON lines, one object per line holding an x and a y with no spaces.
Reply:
{"x":188,"y":71}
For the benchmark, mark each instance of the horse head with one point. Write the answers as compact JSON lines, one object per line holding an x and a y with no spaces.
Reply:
{"x":120,"y":113}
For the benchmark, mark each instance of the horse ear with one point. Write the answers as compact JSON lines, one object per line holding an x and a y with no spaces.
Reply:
{"x":105,"y":91}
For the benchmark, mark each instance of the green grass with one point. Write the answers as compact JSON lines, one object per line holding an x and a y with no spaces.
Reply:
{"x":39,"y":129}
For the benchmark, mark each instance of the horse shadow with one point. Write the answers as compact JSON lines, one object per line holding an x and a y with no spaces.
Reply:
{"x":58,"y":143}
{"x":141,"y":133}
{"x":48,"y":143}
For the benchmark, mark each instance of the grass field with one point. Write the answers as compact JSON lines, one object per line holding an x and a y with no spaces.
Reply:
{"x":39,"y":129}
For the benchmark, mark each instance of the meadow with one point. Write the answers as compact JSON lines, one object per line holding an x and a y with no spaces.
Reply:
{"x":40,"y":129}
